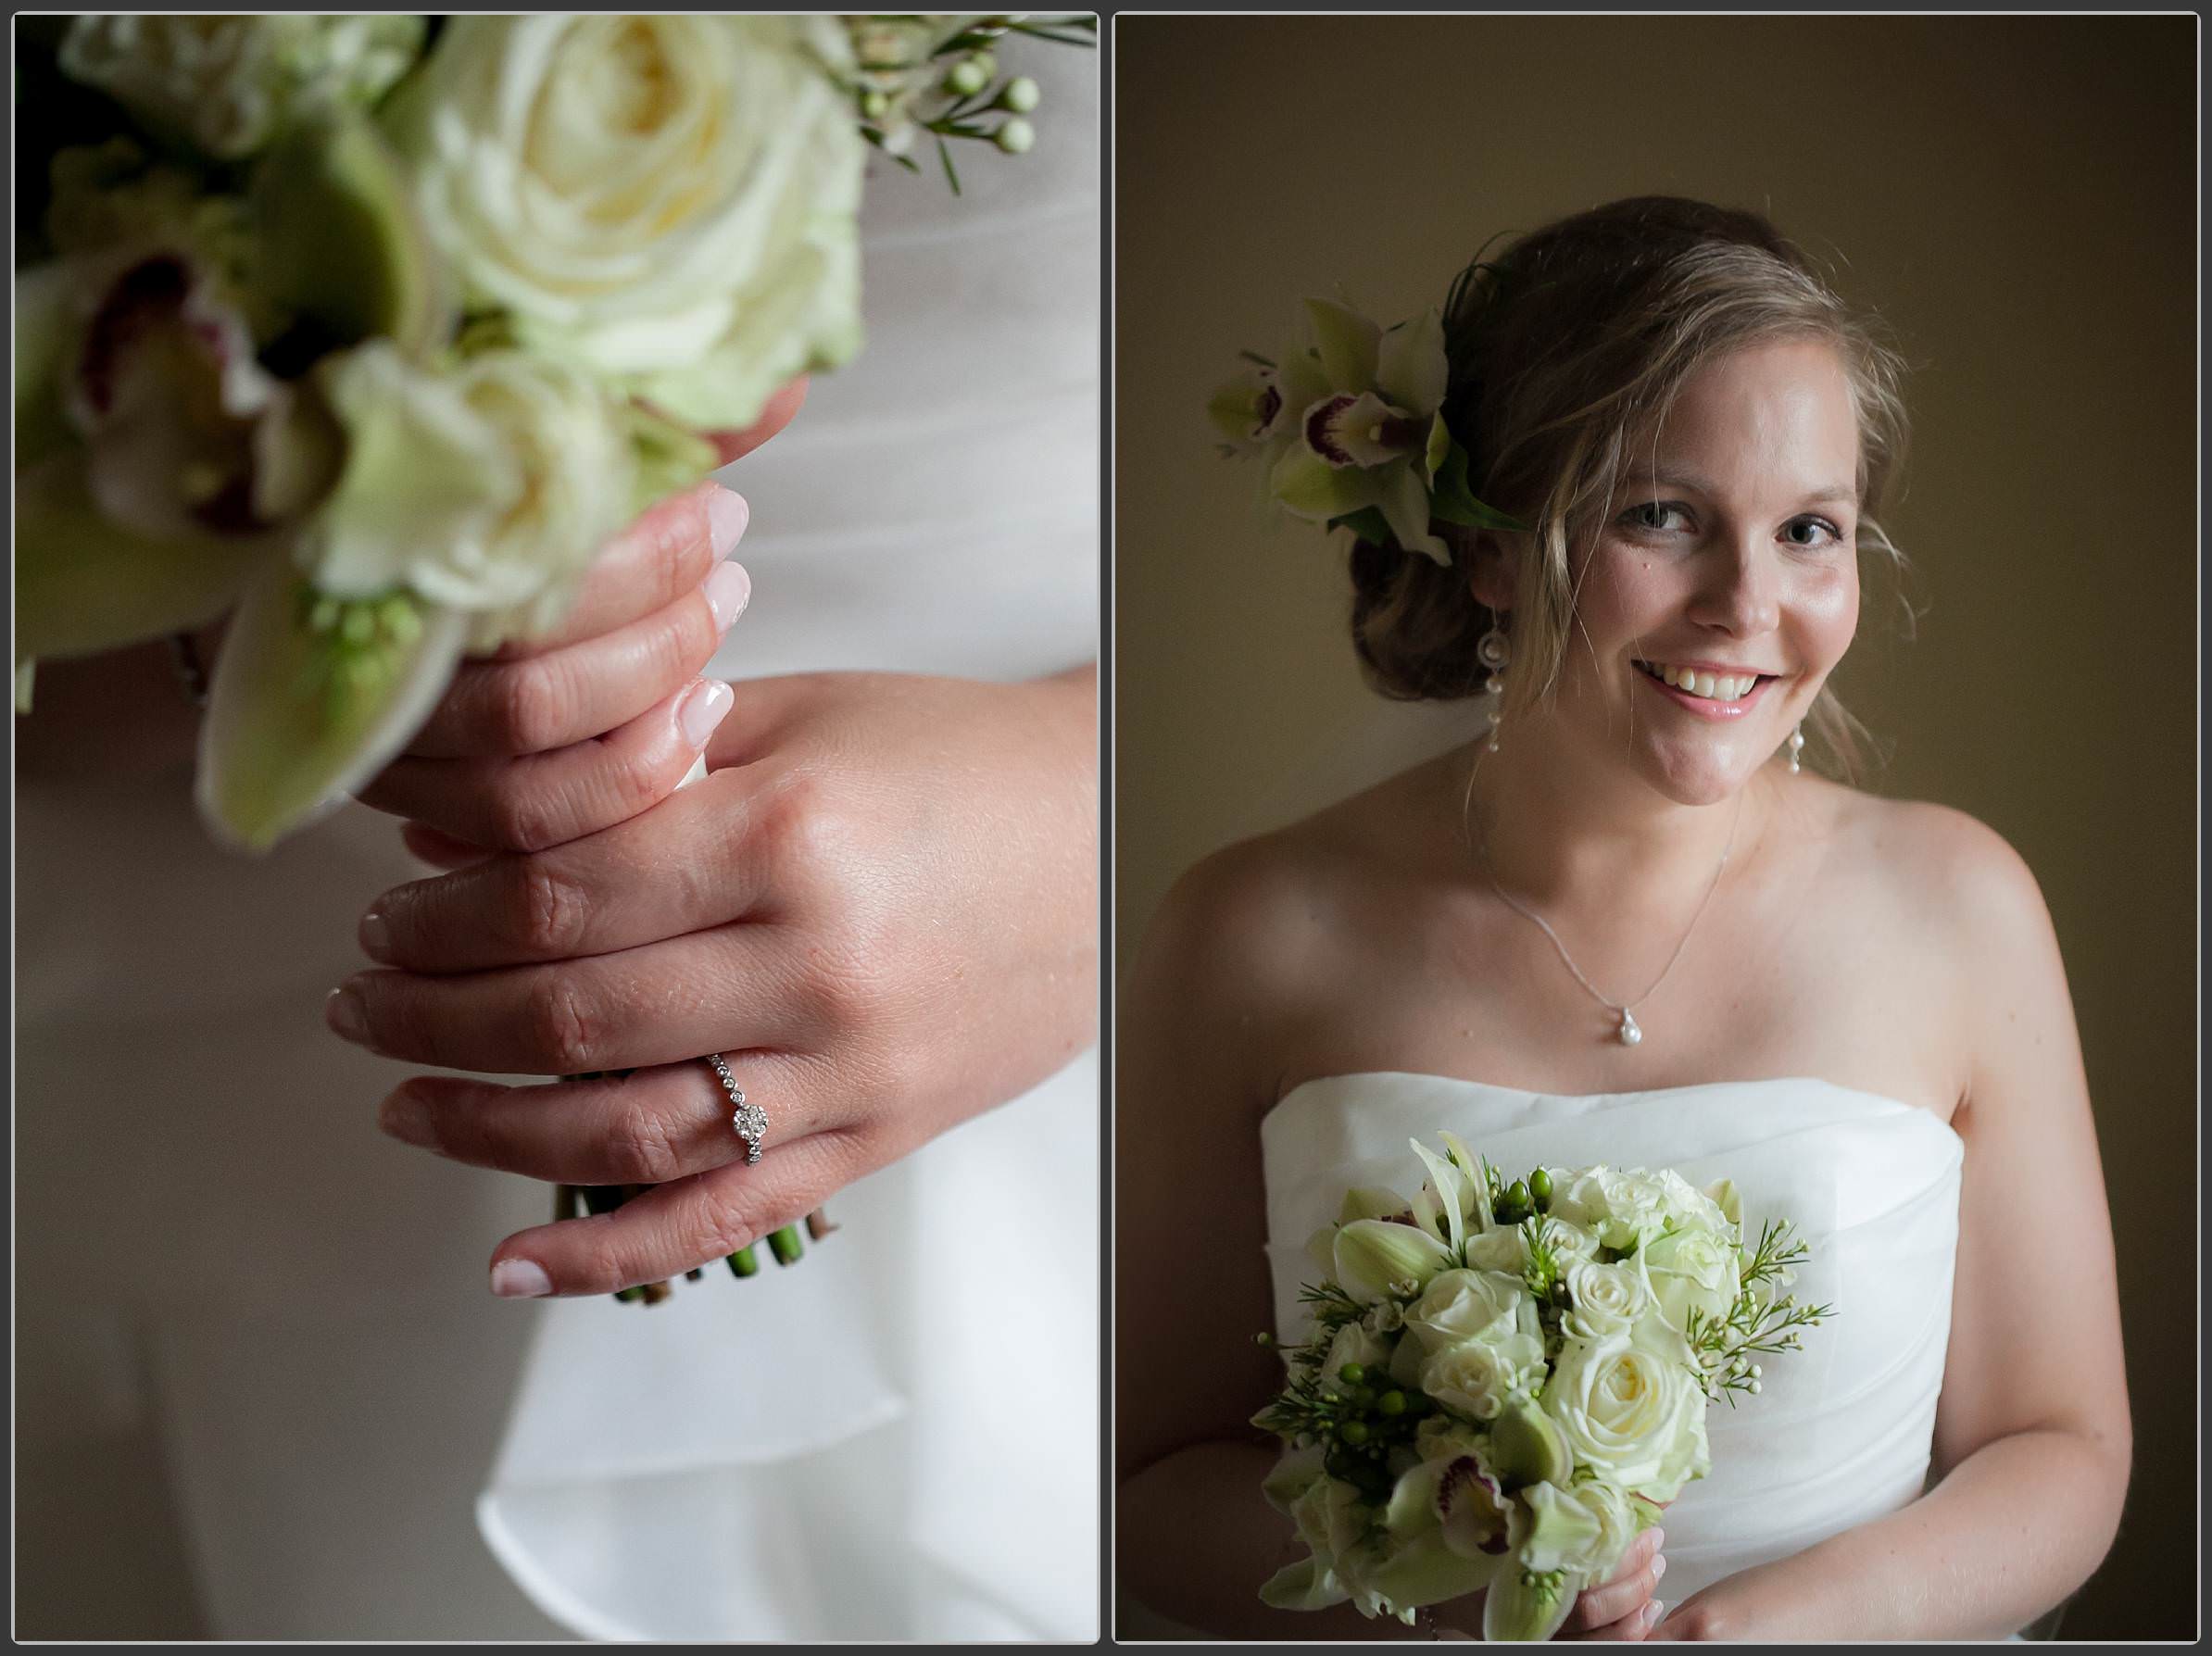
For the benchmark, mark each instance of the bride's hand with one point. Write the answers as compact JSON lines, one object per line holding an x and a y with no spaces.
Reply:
{"x":1620,"y":1607}
{"x":880,"y":903}
{"x":573,"y":731}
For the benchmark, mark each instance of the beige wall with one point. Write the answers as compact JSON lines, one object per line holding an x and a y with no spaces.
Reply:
{"x":2016,"y":194}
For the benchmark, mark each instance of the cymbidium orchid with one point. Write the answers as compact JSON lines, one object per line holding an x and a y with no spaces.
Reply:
{"x":1349,"y":422}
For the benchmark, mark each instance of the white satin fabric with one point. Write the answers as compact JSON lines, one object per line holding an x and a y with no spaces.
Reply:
{"x":237,"y":1296}
{"x":1840,"y":1433}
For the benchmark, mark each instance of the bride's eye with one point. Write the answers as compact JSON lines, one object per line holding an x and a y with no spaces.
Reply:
{"x":1653,"y":515}
{"x":1811,"y":531}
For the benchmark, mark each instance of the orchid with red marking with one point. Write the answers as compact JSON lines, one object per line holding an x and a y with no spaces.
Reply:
{"x":1349,"y":422}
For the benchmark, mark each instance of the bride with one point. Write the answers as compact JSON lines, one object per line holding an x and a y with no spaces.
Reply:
{"x":1623,"y":923}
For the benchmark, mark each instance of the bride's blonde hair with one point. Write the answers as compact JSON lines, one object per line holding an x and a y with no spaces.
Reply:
{"x":1562,"y":349}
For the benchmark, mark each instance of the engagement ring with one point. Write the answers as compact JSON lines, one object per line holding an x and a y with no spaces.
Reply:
{"x":750,"y":1119}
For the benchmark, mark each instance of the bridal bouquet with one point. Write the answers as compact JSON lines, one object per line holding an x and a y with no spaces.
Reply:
{"x":1505,"y":1382}
{"x":373,"y":328}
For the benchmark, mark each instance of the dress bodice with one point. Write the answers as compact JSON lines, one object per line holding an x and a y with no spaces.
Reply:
{"x":1841,"y":1432}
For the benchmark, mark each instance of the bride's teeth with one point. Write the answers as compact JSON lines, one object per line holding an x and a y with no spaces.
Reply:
{"x":1709,"y":686}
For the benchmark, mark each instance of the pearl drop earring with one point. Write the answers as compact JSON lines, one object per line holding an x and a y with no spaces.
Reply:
{"x":1494,"y":652}
{"x":1797,"y":743}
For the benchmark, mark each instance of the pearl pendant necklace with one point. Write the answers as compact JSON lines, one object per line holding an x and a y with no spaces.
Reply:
{"x":1629,"y":1033}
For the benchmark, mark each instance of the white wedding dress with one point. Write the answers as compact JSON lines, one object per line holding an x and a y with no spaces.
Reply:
{"x":263,"y":1391}
{"x":1840,"y":1433}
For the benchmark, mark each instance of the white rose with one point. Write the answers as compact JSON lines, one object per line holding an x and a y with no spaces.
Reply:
{"x":1626,"y":1405}
{"x":1582,"y":1529}
{"x":1688,"y":1207}
{"x":484,"y":489}
{"x":1460,"y":1304}
{"x":231,"y":83}
{"x":1479,"y":1376}
{"x":1503,"y":1249}
{"x":1607,"y":1300}
{"x":1691,"y":1270}
{"x":670,"y":201}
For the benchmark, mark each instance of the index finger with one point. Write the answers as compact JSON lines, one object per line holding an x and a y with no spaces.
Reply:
{"x":664,"y":554}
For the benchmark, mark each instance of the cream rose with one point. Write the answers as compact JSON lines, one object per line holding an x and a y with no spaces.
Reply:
{"x":670,"y":201}
{"x":1607,"y":1300}
{"x":1461,"y":1304}
{"x":229,"y":84}
{"x":1479,"y":1376}
{"x":1691,"y":1270}
{"x":1628,"y":1408}
{"x":485,"y":489}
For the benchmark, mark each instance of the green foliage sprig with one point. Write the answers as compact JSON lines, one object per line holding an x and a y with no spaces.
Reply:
{"x":1763,"y":1321}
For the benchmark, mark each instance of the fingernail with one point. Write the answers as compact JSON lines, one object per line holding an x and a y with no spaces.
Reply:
{"x":520,"y":1279}
{"x":1658,"y":1568}
{"x":728,"y":589}
{"x":376,"y":936}
{"x":407,"y":1118}
{"x":705,"y":707}
{"x":726,"y":518}
{"x":1653,"y":1611}
{"x":1658,"y":1538}
{"x":343,"y":1011}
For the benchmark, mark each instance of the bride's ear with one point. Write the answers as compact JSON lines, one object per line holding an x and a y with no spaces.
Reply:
{"x":1489,"y":566}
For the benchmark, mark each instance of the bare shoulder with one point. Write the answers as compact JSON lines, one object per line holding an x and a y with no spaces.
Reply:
{"x":1961,"y":877}
{"x":1253,"y":943}
{"x":1967,"y":903}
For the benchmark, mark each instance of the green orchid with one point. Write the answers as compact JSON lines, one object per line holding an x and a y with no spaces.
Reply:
{"x":1351,"y":425}
{"x":363,"y":523}
{"x":1369,"y":436}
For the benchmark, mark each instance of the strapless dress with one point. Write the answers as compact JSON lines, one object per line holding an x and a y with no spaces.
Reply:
{"x":1841,"y":1432}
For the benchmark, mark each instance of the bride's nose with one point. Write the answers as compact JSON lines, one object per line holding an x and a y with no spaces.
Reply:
{"x":1741,"y":593}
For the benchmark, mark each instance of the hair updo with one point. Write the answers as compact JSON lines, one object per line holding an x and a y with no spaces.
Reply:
{"x":1562,"y":349}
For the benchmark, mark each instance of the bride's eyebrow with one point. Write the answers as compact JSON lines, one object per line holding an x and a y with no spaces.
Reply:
{"x":1675,"y":477}
{"x":1670,"y":477}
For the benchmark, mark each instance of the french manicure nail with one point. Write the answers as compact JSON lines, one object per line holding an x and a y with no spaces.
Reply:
{"x":728,"y":590}
{"x":706,"y":706}
{"x":343,"y":1011}
{"x":1658,"y":1568}
{"x":726,"y":518}
{"x":376,"y":936}
{"x":1653,"y":1611}
{"x":1658,"y":1537}
{"x":520,"y":1279}
{"x":407,"y":1118}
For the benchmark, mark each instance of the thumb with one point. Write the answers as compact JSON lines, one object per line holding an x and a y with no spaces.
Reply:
{"x":730,"y":446}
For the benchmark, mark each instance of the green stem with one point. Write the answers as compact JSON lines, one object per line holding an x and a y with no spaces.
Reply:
{"x":743,"y":1262}
{"x":784,"y":1244}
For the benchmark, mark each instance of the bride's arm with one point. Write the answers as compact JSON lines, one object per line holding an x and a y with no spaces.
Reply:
{"x":1194,"y":1537}
{"x":2033,"y":1437}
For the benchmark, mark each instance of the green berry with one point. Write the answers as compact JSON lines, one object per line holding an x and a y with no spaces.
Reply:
{"x":1352,"y":1373}
{"x":1392,"y":1403}
{"x":1353,"y":1432}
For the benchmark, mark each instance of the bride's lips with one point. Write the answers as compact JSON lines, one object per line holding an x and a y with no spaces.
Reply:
{"x":1697,"y":704}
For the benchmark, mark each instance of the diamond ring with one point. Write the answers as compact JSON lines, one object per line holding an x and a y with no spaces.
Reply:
{"x":750,"y":1119}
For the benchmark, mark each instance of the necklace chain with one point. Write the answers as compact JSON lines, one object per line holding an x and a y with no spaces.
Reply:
{"x":1621,"y":1007}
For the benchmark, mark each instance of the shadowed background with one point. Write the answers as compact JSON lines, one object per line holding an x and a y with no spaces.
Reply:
{"x":2016,"y":196}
